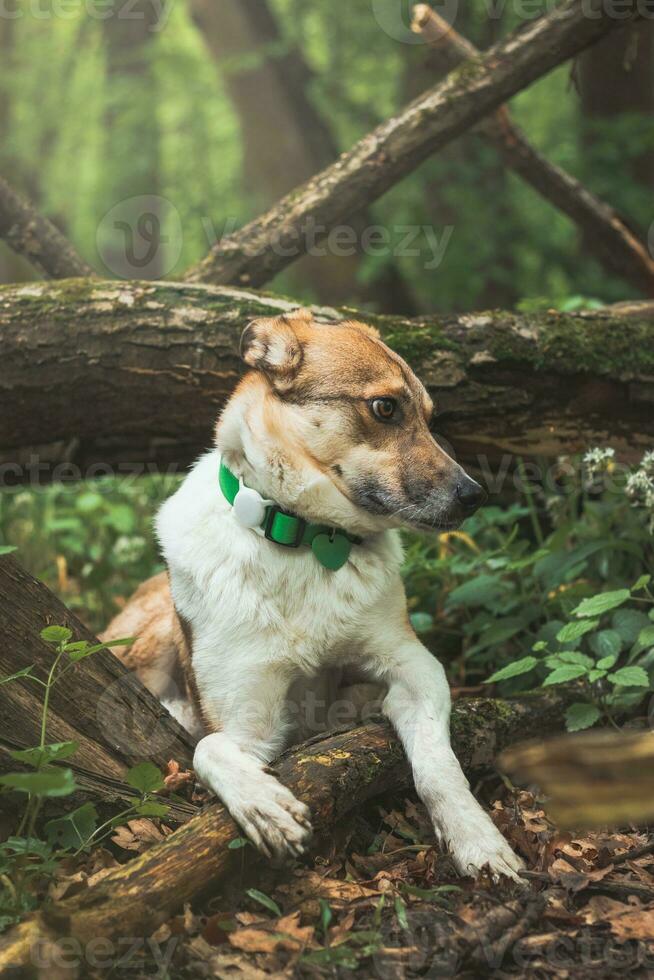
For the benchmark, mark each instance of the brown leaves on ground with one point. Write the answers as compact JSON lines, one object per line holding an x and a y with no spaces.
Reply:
{"x":601,"y":878}
{"x":382,"y":899}
{"x":138,"y":835}
{"x":285,"y":933}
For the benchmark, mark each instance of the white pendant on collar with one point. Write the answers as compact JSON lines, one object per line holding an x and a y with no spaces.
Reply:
{"x":249,"y":507}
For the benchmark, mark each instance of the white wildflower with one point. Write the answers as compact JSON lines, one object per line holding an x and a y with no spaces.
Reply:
{"x":639,"y":486}
{"x":598,"y":461}
{"x":647,"y":463}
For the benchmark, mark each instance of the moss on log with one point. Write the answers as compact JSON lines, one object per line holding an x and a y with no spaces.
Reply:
{"x":122,"y":377}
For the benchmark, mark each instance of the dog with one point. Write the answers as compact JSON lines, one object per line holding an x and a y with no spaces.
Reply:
{"x":283,"y":579}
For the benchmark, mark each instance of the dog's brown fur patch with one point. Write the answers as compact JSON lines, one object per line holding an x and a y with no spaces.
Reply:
{"x":161,"y":654}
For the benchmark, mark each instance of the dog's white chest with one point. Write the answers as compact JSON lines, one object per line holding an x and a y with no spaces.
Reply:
{"x":238,"y":588}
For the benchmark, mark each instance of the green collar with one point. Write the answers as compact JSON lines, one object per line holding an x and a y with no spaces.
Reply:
{"x":330,"y":545}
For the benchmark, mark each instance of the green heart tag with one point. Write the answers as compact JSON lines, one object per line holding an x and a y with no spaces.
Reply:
{"x":332,"y":552}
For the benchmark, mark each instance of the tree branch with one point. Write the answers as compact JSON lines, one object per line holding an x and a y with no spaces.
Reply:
{"x":30,"y":234}
{"x":332,"y":774}
{"x":267,"y":245}
{"x":156,"y":362}
{"x":605,"y":233}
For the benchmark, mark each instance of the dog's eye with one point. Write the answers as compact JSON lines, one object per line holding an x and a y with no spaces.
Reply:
{"x":383,"y":408}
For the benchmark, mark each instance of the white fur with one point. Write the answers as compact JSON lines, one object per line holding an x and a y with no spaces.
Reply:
{"x":264,"y":616}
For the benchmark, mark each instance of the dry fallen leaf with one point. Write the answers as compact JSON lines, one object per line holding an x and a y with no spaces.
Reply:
{"x":177,"y":778}
{"x":306,"y":888}
{"x":632,"y":921}
{"x":284,"y":934}
{"x":137,"y":835}
{"x":226,"y":966}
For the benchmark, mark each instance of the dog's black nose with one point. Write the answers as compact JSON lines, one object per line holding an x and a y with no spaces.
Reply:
{"x":470,"y":495}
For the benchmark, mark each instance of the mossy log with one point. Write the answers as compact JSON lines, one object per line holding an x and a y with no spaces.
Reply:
{"x":99,"y":704}
{"x":332,"y":774}
{"x":101,"y":377}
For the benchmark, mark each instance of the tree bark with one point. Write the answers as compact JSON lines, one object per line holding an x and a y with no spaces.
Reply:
{"x":104,"y":377}
{"x":332,"y":774}
{"x":116,"y":721}
{"x":605,"y":233}
{"x":33,"y":236}
{"x":267,"y":245}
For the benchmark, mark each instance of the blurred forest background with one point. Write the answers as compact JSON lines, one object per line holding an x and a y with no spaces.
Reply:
{"x":191,"y":102}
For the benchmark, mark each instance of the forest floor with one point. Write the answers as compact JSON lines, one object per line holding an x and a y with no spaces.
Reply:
{"x":379,"y":899}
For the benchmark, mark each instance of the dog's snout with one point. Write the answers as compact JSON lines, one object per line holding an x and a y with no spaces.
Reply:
{"x":470,"y":494}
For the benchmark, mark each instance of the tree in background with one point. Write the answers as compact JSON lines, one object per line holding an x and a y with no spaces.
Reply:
{"x":616,"y":81}
{"x":131,"y":174}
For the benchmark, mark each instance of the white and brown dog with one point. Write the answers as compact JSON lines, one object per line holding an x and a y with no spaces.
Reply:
{"x":284,"y":569}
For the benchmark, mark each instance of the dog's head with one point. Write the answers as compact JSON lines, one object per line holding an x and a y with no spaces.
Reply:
{"x":333,"y":425}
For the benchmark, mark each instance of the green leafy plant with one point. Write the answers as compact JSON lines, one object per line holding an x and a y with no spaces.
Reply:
{"x":539,"y":593}
{"x":607,"y":652}
{"x":90,"y":542}
{"x":27,"y":860}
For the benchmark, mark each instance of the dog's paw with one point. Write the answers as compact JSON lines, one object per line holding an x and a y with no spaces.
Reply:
{"x":476,"y":845}
{"x":471,"y":857}
{"x":274,"y":820}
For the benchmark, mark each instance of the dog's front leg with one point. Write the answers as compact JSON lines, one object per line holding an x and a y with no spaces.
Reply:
{"x":418,"y":706}
{"x":249,"y":709}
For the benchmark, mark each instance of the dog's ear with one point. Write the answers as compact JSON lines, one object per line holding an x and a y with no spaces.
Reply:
{"x":272,"y":345}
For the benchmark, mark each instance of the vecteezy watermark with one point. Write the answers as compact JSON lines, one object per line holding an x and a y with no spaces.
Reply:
{"x":140,"y":237}
{"x":564,"y":476}
{"x":395,"y":16}
{"x":380,"y":241}
{"x":120,"y":954}
{"x":154,"y":12}
{"x":432,"y":949}
{"x":37,"y":474}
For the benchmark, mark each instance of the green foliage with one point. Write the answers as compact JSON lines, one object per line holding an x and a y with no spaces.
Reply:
{"x":524,"y":617}
{"x":145,"y":777}
{"x":91,"y":542}
{"x":27,"y":861}
{"x":265,"y":900}
{"x":170,"y":128}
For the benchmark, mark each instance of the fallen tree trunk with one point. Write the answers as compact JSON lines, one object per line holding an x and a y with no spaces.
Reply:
{"x":604,"y":231}
{"x":267,"y":245}
{"x":331,"y":774}
{"x":100,"y":705}
{"x":124,"y":377}
{"x":33,"y":236}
